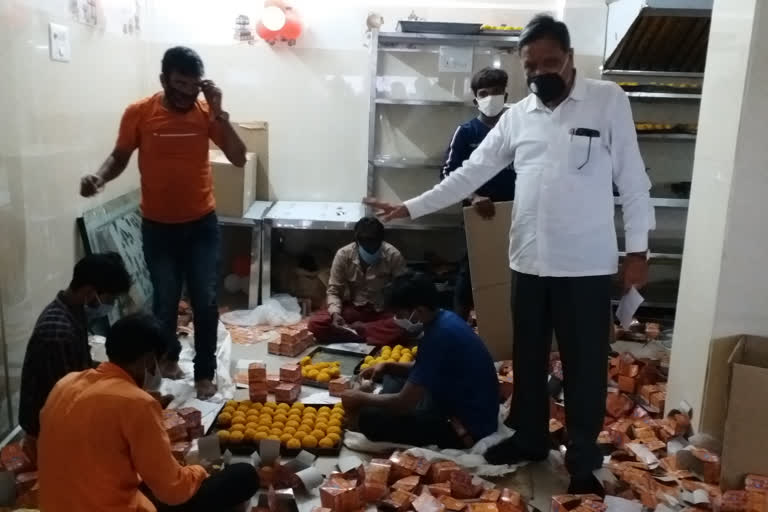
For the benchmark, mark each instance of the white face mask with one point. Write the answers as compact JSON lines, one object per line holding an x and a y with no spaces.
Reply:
{"x":408,"y":326}
{"x":491,"y":106}
{"x":152,"y":381}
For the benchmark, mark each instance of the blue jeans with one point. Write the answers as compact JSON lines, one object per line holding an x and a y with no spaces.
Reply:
{"x":179,"y":253}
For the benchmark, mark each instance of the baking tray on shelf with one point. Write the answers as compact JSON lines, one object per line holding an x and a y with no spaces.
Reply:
{"x":662,"y":88}
{"x":249,"y":448}
{"x":439,"y":27}
{"x":350,"y":361}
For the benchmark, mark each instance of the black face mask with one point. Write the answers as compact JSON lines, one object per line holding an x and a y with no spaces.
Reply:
{"x":547,"y":86}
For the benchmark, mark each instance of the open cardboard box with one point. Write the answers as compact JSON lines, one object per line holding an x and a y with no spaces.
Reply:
{"x":488,"y":248}
{"x":734,"y":408}
{"x":255,"y":135}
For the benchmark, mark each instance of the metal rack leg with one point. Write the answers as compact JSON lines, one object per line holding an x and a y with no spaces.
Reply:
{"x":255,"y":271}
{"x":266,"y":260}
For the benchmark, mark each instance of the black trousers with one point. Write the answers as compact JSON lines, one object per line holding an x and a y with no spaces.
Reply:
{"x":179,"y":253}
{"x":423,"y":426}
{"x":578,"y":309}
{"x":222,"y":492}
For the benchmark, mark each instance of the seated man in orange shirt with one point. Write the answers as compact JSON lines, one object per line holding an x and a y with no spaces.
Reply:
{"x":180,"y":232}
{"x":359,"y":273}
{"x":102,"y":439}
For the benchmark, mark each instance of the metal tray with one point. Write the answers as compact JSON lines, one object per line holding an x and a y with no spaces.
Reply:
{"x":350,"y":362}
{"x":439,"y":27}
{"x":249,"y":448}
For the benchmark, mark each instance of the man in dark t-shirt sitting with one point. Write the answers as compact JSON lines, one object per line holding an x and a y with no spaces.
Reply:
{"x":453,"y":369}
{"x":489,"y":86}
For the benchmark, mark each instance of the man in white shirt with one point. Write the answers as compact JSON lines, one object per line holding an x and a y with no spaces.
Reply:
{"x":571,"y":139}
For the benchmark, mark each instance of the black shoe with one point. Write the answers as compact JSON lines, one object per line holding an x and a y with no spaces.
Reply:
{"x":509,"y":452}
{"x":586,"y":485}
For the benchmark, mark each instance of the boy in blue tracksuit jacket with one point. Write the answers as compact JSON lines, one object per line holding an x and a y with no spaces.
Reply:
{"x":489,"y":87}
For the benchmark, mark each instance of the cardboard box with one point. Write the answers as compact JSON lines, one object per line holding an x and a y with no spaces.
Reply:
{"x":744,"y":449}
{"x":233,"y":187}
{"x":488,"y":248}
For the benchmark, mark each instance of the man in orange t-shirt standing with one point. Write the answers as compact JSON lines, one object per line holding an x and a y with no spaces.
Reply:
{"x":180,"y":232}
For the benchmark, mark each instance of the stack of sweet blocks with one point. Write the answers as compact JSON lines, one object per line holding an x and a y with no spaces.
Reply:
{"x":290,"y":342}
{"x":338,"y":386}
{"x":257,"y":382}
{"x":289,"y":386}
{"x":404,"y":482}
{"x":182,"y":426}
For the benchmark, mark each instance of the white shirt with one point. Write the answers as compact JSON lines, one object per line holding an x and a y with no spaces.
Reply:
{"x":563,"y":215}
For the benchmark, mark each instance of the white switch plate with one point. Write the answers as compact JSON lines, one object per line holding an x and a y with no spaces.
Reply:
{"x":58,"y":43}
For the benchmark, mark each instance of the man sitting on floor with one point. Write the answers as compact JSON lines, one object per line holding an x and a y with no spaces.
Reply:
{"x":453,"y":370}
{"x":359,"y":273}
{"x":59,"y":342}
{"x":102,"y":436}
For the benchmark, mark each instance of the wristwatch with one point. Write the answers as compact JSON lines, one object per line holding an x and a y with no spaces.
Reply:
{"x":223,"y":116}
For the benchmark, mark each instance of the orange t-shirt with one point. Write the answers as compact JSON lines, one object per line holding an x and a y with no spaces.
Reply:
{"x":100,"y":436}
{"x":176,"y":180}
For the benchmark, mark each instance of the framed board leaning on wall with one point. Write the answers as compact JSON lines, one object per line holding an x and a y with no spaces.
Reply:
{"x":116,"y":226}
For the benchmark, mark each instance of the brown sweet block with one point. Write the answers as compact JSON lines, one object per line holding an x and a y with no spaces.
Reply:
{"x":286,"y":392}
{"x":402,"y":465}
{"x":734,"y":501}
{"x":442,"y":471}
{"x":272,"y":382}
{"x":174,"y":426}
{"x":341,"y":496}
{"x":627,"y":384}
{"x":408,"y":483}
{"x":257,"y":372}
{"x":483,"y":507}
{"x":373,"y":491}
{"x":179,"y":451}
{"x":191,"y":416}
{"x":260,"y":398}
{"x":195,"y":432}
{"x":440,"y":489}
{"x":756,"y":483}
{"x":569,"y":502}
{"x":757,"y":501}
{"x":618,"y":405}
{"x":628,"y":366}
{"x":377,"y":471}
{"x":490,"y":495}
{"x":338,"y":386}
{"x":15,"y":460}
{"x":273,"y":347}
{"x":290,"y":373}
{"x":452,"y":504}
{"x":658,"y":400}
{"x":647,"y":390}
{"x":462,"y":486}
{"x":399,"y":500}
{"x":510,"y":501}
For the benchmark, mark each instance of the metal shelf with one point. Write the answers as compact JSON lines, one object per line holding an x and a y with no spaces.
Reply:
{"x":663,"y":96}
{"x":662,"y":202}
{"x":687,"y":137}
{"x":407,"y":163}
{"x":480,"y":40}
{"x":668,"y":74}
{"x":652,"y":304}
{"x":660,"y":256}
{"x":428,"y":223}
{"x":431,"y":103}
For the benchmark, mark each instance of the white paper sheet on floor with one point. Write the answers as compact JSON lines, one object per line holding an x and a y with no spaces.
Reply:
{"x":472,"y":459}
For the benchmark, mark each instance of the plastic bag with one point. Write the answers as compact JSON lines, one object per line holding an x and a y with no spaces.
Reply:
{"x":279,"y":310}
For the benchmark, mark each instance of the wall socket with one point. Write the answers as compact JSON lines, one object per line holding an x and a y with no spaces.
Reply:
{"x":58,"y":42}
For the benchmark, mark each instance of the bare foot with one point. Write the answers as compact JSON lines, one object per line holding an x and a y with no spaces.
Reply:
{"x":205,"y":389}
{"x":171,"y":370}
